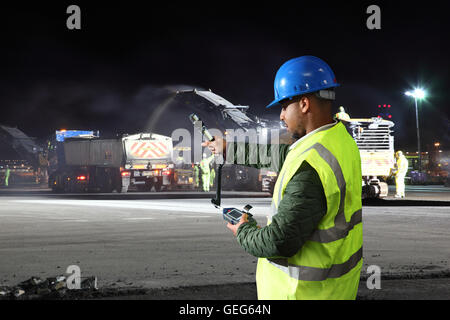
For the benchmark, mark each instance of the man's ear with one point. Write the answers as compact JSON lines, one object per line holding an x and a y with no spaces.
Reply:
{"x":305,"y":104}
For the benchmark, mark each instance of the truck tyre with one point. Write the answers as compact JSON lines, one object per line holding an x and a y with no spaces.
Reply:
{"x":56,"y":188}
{"x":66,"y":188}
{"x":141,"y":188}
{"x":148,"y":186}
{"x":158,"y":186}
{"x":271,"y":187}
{"x":118,"y":187}
{"x":108,"y":189}
{"x":384,"y":189}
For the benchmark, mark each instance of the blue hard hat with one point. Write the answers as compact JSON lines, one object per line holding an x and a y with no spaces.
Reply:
{"x":302,"y":75}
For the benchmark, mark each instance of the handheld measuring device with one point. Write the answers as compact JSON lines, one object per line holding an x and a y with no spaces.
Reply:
{"x":234,"y":215}
{"x":231,"y":215}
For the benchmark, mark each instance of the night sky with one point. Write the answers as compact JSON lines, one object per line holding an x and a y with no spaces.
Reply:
{"x":129,"y":56}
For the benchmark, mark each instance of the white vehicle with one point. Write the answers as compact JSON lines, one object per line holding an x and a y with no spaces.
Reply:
{"x":376,"y":146}
{"x":148,"y":161}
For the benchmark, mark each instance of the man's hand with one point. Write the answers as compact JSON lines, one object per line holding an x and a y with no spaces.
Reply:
{"x":218,"y":146}
{"x":235,"y":227}
{"x":244,"y":219}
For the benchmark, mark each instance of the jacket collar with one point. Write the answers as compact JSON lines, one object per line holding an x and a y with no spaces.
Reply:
{"x":322,"y":128}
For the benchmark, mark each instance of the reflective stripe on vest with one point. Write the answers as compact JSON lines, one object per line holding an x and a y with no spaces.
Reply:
{"x":317,"y":274}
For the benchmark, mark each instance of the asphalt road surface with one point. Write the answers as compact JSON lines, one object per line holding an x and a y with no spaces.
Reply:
{"x":167,"y":246}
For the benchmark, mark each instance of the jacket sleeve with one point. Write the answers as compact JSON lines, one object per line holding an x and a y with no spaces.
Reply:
{"x":299,"y":212}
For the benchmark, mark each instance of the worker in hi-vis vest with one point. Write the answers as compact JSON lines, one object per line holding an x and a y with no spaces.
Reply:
{"x":342,"y":115}
{"x":196,"y":175}
{"x":206,"y":171}
{"x":311,"y":247}
{"x":7,"y":174}
{"x":212,"y":177}
{"x":400,"y":174}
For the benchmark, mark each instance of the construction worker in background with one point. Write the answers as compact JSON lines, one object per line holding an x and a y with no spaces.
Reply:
{"x":196,"y":175}
{"x":342,"y":115}
{"x":400,"y":173}
{"x":212,"y":178}
{"x":7,"y":174}
{"x":311,"y":247}
{"x":206,"y":172}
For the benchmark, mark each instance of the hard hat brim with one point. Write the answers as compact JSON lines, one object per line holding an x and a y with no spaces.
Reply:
{"x":274,"y":103}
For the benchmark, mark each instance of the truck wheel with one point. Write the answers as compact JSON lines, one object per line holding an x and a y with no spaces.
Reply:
{"x":271,"y":188}
{"x":384,"y":189}
{"x":108,"y":189}
{"x":118,"y":188}
{"x":141,"y":188}
{"x":148,"y":186}
{"x":158,"y":186}
{"x":56,"y":187}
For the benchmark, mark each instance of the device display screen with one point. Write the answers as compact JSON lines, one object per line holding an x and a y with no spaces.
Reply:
{"x":236,"y":214}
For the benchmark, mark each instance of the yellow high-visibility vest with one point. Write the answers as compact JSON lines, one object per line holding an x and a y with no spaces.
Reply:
{"x":402,"y":165}
{"x":342,"y":116}
{"x":328,"y":265}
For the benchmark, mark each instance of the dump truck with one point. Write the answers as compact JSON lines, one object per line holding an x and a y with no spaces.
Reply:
{"x":375,"y":142}
{"x":148,"y":162}
{"x":81,"y":161}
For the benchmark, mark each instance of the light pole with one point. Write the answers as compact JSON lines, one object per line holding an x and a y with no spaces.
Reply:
{"x":417,"y":94}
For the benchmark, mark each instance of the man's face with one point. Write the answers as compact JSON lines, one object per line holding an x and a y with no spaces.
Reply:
{"x":292,"y":116}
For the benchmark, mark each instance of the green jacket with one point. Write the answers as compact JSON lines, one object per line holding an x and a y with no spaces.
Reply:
{"x":299,"y":212}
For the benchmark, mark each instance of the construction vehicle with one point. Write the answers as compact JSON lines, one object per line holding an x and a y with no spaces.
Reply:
{"x":375,"y":142}
{"x":81,"y":161}
{"x":224,"y":115}
{"x":23,"y":155}
{"x":373,"y":137}
{"x":148,"y":162}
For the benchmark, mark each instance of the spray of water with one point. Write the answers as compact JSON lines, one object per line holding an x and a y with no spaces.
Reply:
{"x":157,"y":111}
